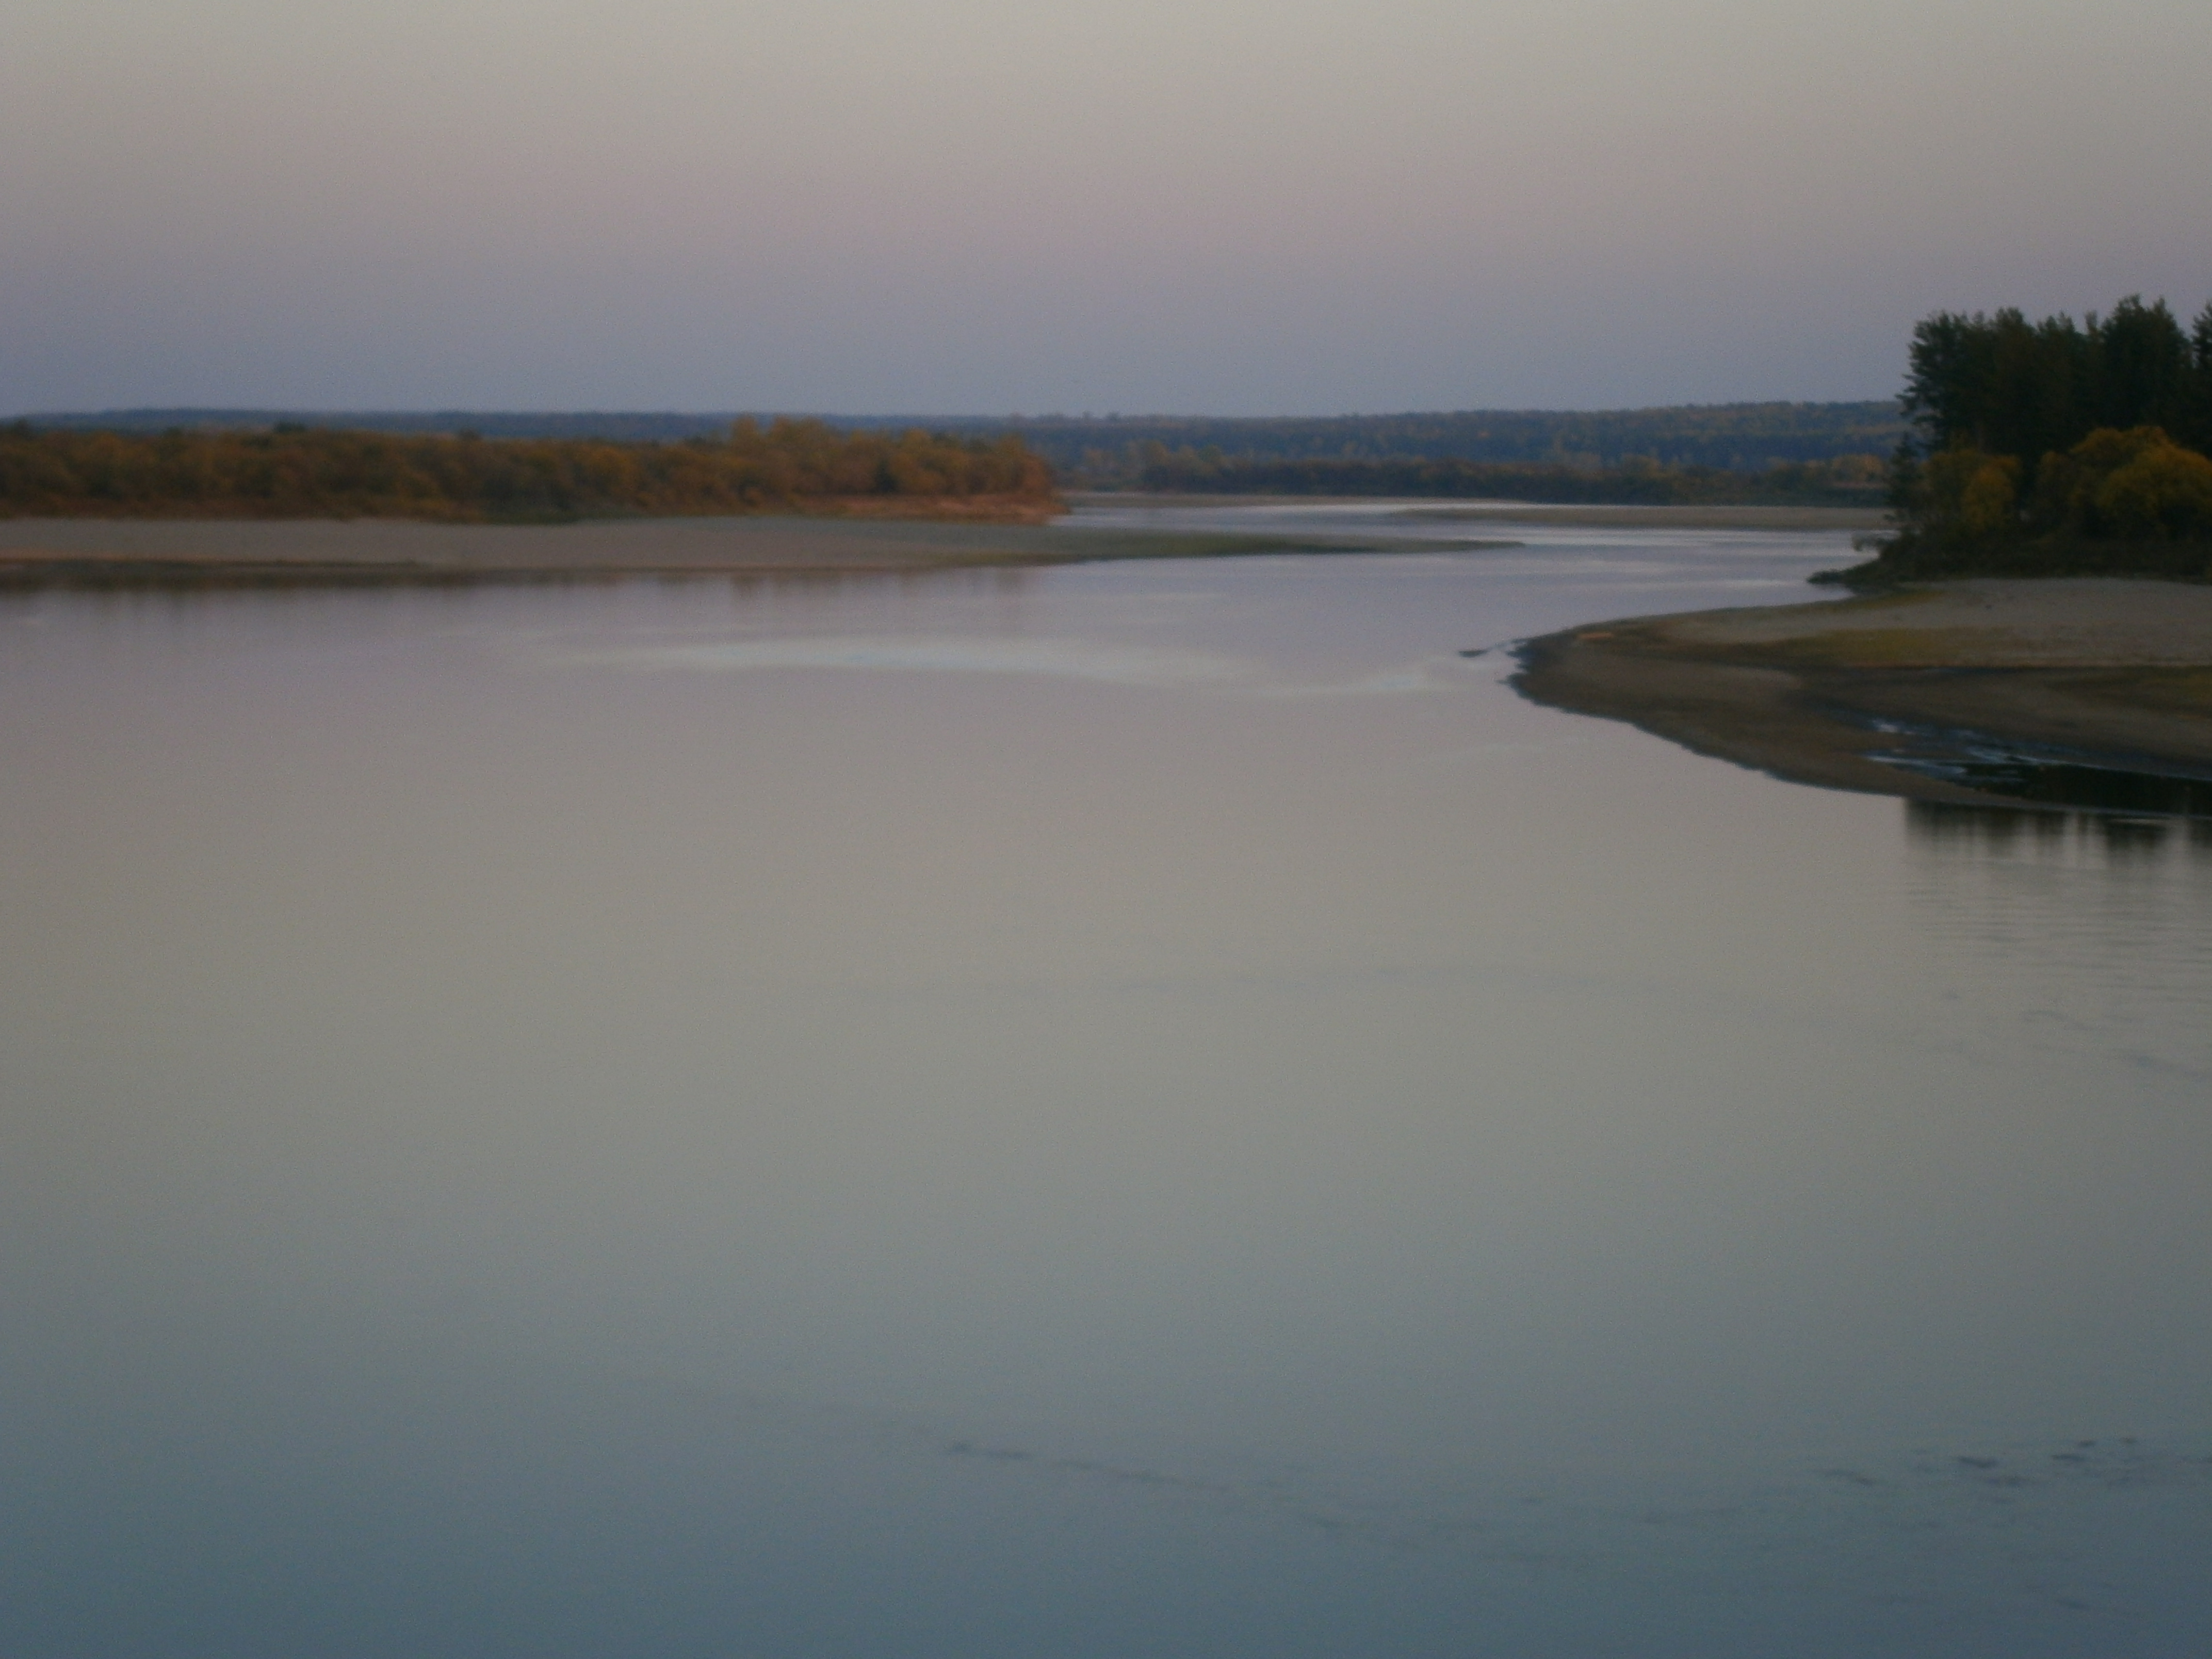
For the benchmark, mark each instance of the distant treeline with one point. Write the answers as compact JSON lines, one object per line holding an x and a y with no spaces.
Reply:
{"x":297,"y":471}
{"x":1116,"y":450}
{"x":2055,"y":448}
{"x":1849,"y":481}
{"x":1111,"y":451}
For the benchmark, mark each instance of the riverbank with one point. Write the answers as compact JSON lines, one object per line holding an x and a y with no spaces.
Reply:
{"x":1945,"y":693}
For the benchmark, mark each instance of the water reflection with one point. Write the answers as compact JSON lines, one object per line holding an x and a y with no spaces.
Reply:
{"x":2059,"y":782}
{"x":2006,"y":831}
{"x":2063,"y":935}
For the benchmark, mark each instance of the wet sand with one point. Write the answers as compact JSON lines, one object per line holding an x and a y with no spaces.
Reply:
{"x":2111,"y":673}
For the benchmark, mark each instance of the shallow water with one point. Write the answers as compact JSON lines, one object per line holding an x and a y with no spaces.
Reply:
{"x":1141,"y":1107}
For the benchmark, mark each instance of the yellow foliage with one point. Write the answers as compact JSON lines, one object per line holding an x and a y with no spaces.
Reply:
{"x":299,"y":472}
{"x":2165,"y":491}
{"x":1975,"y":493}
{"x":2134,"y":485}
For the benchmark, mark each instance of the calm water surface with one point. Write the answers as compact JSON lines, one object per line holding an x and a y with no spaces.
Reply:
{"x":1144,"y":1108}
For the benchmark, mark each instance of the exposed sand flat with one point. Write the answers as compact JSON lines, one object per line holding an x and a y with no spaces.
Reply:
{"x":2119,"y":674}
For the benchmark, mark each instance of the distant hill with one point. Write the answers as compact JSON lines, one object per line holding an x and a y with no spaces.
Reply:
{"x":1117,"y":450}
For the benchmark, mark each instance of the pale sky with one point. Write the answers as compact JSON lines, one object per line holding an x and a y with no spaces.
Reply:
{"x":1207,"y":206}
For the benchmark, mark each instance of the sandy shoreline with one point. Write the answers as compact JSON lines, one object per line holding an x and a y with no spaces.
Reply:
{"x":2111,"y":674}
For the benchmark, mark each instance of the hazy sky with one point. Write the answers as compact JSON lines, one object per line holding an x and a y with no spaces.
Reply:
{"x":1225,"y":206}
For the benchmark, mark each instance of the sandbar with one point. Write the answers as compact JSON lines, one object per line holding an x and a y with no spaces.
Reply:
{"x":200,"y":552}
{"x":1872,"y":693}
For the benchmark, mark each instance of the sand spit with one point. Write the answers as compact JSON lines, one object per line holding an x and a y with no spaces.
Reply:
{"x":114,"y":550}
{"x":2108,"y":674}
{"x":324,"y":552}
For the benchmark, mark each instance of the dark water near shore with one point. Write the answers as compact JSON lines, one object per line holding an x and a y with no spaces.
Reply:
{"x":1132,"y":1108}
{"x":2116,"y":793}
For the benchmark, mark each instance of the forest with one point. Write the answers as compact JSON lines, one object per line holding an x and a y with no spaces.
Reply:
{"x":293,"y":471}
{"x":2053,"y":447}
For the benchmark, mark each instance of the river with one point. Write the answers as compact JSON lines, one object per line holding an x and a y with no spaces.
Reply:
{"x":1145,"y":1108}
